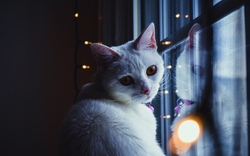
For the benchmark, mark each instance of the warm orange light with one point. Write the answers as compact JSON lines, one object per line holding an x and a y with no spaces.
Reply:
{"x":188,"y":131}
{"x":87,"y":42}
{"x":167,"y":116}
{"x":185,"y":132}
{"x":166,"y":43}
{"x":76,"y":14}
{"x":177,"y":15}
{"x":85,"y":67}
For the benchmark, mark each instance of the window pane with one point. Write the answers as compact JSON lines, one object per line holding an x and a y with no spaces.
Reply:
{"x":181,"y":13}
{"x":216,"y":1}
{"x":197,"y":8}
{"x":208,"y":70}
{"x":229,"y":82}
{"x":174,"y":14}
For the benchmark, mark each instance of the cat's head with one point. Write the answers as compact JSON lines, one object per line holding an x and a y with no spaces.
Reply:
{"x":130,"y":73}
{"x":192,"y":68}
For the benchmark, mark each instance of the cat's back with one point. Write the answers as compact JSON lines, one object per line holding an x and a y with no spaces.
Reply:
{"x":104,"y":127}
{"x":95,"y":112}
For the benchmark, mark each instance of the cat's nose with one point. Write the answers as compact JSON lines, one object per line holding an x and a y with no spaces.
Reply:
{"x":145,"y":91}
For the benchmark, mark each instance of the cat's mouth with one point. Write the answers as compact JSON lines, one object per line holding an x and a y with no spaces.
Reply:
{"x":142,"y":98}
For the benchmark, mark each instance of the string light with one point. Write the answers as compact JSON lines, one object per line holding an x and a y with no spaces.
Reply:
{"x":169,"y":67}
{"x":87,"y":42}
{"x":166,"y":116}
{"x":166,"y":92}
{"x":77,"y":45}
{"x":171,"y":91}
{"x":85,"y":67}
{"x":177,"y":15}
{"x":166,"y":43}
{"x":76,"y":15}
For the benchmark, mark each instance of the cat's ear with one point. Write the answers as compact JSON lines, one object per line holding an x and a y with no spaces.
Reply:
{"x":103,"y":55}
{"x":190,"y":42}
{"x":146,"y":41}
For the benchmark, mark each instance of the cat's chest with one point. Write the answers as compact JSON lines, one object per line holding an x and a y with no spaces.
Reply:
{"x":137,"y":116}
{"x":143,"y":118}
{"x":136,"y":119}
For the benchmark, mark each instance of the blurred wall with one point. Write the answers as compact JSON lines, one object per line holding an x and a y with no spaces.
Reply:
{"x":37,"y":43}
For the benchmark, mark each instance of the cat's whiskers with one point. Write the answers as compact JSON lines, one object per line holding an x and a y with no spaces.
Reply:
{"x":168,"y":78}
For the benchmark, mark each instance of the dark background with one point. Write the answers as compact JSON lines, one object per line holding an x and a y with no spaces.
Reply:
{"x":37,"y":44}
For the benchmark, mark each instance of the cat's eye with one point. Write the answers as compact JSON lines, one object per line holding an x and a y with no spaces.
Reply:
{"x":198,"y":70}
{"x":151,"y":70}
{"x":126,"y":80}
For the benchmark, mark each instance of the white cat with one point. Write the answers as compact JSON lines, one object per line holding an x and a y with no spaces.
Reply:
{"x":209,"y":98}
{"x":111,"y":117}
{"x":192,"y":73}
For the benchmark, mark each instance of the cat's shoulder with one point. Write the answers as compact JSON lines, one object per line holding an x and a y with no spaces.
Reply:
{"x":107,"y":111}
{"x":95,"y":106}
{"x":90,"y":114}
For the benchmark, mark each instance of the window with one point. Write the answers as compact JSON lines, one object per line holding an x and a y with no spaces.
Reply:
{"x":222,"y":48}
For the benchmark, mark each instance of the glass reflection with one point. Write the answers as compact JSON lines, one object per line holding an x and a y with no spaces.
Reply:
{"x":208,"y":74}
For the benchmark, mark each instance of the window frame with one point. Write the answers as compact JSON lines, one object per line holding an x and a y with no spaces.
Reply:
{"x":211,"y":13}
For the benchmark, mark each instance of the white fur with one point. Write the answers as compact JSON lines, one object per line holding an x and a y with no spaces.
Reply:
{"x":110,"y":118}
{"x":118,"y":129}
{"x":193,"y":87}
{"x":226,"y":131}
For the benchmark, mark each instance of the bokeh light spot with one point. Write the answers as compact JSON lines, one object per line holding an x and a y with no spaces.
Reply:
{"x":188,"y":131}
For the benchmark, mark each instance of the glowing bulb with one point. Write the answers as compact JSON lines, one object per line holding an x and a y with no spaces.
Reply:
{"x":177,"y":15}
{"x":76,"y":15}
{"x":188,"y":131}
{"x":186,"y":16}
{"x":177,"y":91}
{"x":166,"y":43}
{"x":169,"y":66}
{"x":185,"y":133}
{"x":179,"y":66}
{"x":85,"y":67}
{"x":165,"y":91}
{"x":168,"y":116}
{"x":87,"y":42}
